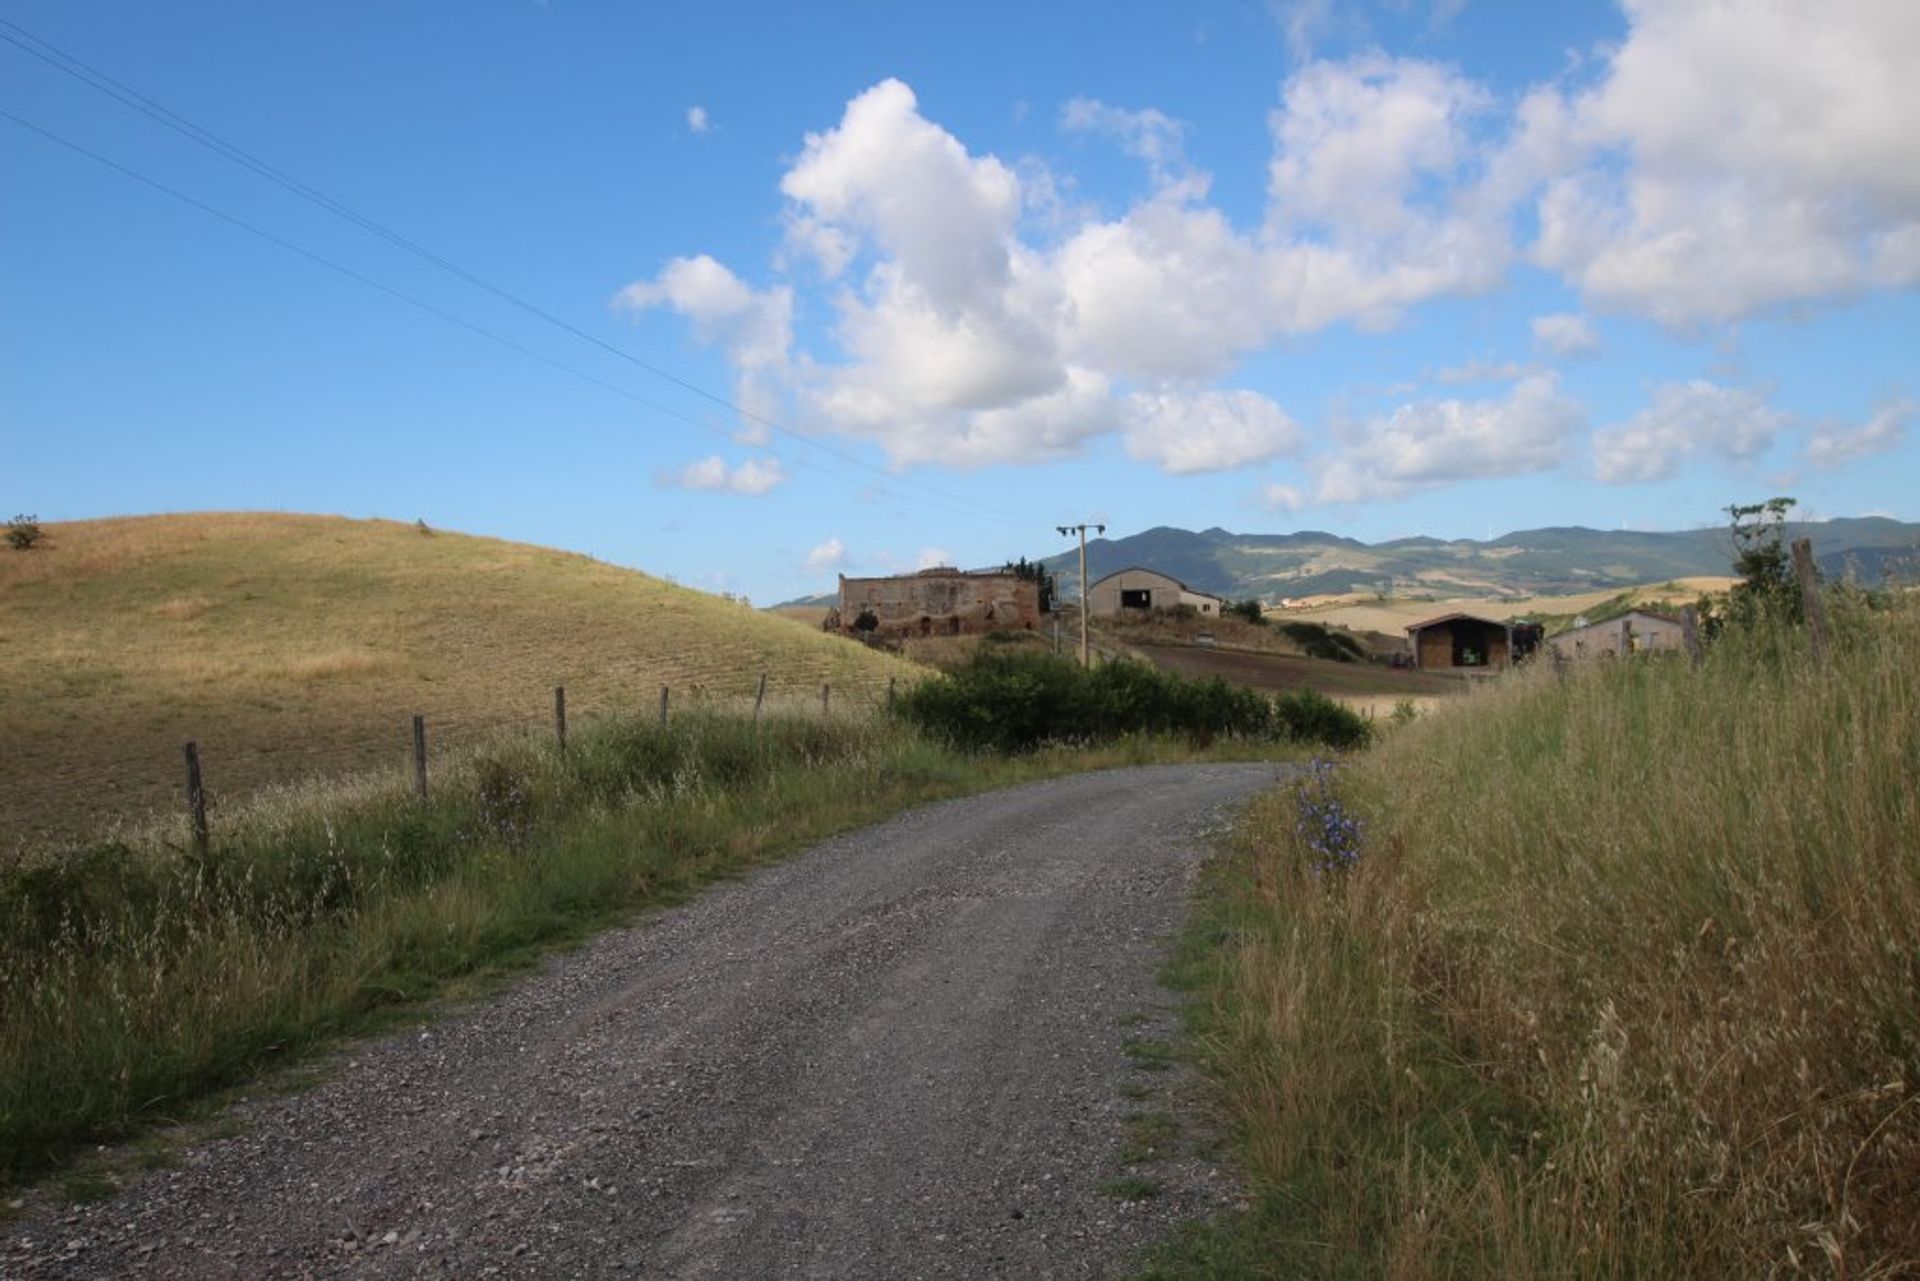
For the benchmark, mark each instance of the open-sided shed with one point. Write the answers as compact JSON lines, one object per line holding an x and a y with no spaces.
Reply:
{"x":1460,"y":641}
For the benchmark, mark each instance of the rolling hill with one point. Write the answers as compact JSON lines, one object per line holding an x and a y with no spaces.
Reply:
{"x":1533,"y":562}
{"x":290,"y":646}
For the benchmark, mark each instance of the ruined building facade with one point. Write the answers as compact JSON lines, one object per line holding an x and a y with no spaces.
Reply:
{"x":942,"y":602}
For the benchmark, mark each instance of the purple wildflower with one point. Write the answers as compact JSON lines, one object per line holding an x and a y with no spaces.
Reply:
{"x":1330,"y":833}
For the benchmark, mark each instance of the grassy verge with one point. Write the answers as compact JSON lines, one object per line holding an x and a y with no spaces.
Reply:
{"x":135,"y":980}
{"x":1617,"y":980}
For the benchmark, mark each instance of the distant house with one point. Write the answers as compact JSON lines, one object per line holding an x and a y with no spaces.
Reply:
{"x":1638,"y":632}
{"x":942,"y":602}
{"x":1145,"y":590}
{"x":1453,"y":641}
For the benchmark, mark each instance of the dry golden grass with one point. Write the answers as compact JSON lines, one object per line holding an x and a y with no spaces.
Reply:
{"x":1623,"y":983}
{"x":294,"y":645}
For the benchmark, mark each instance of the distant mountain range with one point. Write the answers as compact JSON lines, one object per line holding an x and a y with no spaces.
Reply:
{"x":1531,"y":562}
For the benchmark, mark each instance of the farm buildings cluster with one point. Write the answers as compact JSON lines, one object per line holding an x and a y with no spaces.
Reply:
{"x":946,"y":601}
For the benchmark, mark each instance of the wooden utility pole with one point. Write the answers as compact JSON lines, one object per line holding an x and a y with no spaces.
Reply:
{"x":1816,"y":609}
{"x":560,"y":716}
{"x":1086,"y":648}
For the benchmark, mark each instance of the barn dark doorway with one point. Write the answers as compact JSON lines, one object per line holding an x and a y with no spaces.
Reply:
{"x":1136,"y":598}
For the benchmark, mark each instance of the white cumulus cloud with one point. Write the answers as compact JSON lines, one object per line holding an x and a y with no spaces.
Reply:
{"x":753,"y":477}
{"x":698,"y":120}
{"x":1686,"y":419}
{"x":1187,"y":432}
{"x":831,"y":554}
{"x":755,"y":327}
{"x":1436,"y":442}
{"x":1834,"y":444}
{"x":1736,"y":156}
{"x":1565,"y":333}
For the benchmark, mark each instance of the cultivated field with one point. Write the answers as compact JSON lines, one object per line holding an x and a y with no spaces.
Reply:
{"x":290,"y":646}
{"x":1391,"y":615}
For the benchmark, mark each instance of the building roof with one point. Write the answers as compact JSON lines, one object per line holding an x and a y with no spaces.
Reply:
{"x":1613,"y":624}
{"x":1448,"y":618}
{"x":1160,"y":573}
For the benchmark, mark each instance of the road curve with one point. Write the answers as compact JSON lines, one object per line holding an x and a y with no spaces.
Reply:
{"x":900,"y":1054}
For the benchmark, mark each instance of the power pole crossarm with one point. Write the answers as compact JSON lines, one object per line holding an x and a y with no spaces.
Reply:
{"x":1086,"y":650}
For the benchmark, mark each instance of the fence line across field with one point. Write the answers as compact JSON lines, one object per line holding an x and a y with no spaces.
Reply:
{"x":197,"y":793}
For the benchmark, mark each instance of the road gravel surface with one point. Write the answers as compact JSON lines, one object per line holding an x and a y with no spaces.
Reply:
{"x":917,"y":1050}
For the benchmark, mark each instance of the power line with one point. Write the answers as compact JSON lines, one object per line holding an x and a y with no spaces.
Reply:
{"x":27,"y":42}
{"x":391,"y":292}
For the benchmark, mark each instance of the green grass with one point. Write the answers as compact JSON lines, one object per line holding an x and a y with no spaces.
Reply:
{"x":138,"y":980}
{"x":298,"y":646}
{"x":1622,"y":985}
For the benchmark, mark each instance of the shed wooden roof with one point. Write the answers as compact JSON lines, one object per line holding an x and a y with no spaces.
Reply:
{"x":1448,"y":618}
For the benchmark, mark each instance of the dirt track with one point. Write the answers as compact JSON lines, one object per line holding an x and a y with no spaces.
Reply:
{"x":902,"y":1054}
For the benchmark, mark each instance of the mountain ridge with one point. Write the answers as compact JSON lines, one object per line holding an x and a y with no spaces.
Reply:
{"x":1533,"y":562}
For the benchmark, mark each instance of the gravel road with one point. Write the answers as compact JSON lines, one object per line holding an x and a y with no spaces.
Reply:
{"x":903,"y":1053}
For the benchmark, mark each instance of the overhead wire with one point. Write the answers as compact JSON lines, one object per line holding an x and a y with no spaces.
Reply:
{"x":398,"y":295}
{"x":45,"y":51}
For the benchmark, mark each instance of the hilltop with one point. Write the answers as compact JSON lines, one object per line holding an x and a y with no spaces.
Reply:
{"x":1533,"y":562}
{"x":290,"y":646}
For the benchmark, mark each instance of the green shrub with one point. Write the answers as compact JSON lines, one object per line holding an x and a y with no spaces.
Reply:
{"x":23,"y":532}
{"x":1013,"y":702}
{"x":1308,"y":716}
{"x":1248,"y":610}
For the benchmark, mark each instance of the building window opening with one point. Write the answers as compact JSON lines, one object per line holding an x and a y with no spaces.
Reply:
{"x":1136,"y":598}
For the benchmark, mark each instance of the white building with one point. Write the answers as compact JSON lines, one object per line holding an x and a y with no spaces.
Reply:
{"x":1145,"y":590}
{"x":1637,"y":632}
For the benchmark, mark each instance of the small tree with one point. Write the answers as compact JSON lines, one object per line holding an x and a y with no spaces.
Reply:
{"x":1034,"y":572}
{"x":23,"y":532}
{"x":1761,"y":559}
{"x":1248,"y":609}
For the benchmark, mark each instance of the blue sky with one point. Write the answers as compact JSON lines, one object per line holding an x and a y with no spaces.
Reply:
{"x":927,"y":281}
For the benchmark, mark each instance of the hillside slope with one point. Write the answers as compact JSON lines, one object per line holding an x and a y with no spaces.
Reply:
{"x":290,"y":646}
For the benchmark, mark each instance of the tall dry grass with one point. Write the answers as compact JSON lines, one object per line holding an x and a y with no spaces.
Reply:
{"x":1625,"y":982}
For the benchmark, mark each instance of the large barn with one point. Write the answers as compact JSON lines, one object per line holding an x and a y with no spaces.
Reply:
{"x":1144,"y":590}
{"x":1460,"y":641}
{"x":941,"y":602}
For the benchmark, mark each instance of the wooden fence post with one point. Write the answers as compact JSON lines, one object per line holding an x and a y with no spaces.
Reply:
{"x":826,"y":699}
{"x":1690,"y":633}
{"x":759,"y":696}
{"x":1816,"y":609}
{"x":663,"y":705}
{"x":420,"y":755}
{"x":1626,"y":638}
{"x":890,"y":681}
{"x":560,"y":716}
{"x":196,"y":799}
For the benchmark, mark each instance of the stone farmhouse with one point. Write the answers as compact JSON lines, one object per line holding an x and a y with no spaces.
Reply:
{"x":941,"y":602}
{"x":1129,"y":590}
